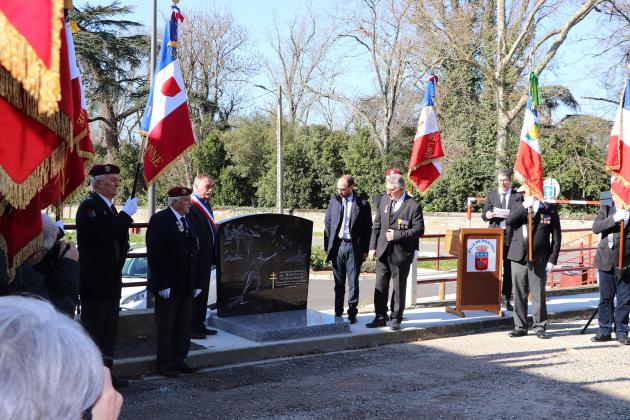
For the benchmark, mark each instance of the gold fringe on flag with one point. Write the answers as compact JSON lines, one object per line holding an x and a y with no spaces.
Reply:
{"x":22,"y":255}
{"x":20,"y":59}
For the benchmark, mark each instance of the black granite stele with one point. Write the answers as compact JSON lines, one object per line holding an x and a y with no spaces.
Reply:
{"x":282,"y":325}
{"x":263,"y":266}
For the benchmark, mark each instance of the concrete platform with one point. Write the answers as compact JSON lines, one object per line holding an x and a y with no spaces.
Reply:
{"x":419,"y":324}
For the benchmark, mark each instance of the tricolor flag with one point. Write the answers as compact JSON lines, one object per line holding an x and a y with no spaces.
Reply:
{"x":166,"y":120}
{"x":618,"y":160}
{"x":528,"y":167}
{"x":424,"y":165}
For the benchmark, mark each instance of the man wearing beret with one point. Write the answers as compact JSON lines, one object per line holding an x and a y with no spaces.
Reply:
{"x":103,"y":239}
{"x":176,"y":275}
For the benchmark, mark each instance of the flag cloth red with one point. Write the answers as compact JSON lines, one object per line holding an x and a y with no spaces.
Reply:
{"x":166,"y":120}
{"x":20,"y":232}
{"x":618,"y":159}
{"x":424,"y":165}
{"x":528,"y":167}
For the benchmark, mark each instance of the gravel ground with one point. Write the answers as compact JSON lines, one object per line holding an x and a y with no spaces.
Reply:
{"x":476,"y":376}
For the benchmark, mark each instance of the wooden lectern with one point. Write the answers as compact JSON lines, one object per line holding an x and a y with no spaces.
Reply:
{"x":479,"y":269}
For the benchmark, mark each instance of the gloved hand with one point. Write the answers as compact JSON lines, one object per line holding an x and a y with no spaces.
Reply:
{"x":549,"y":267}
{"x":131,"y":206}
{"x":196,"y":292}
{"x":59,"y":224}
{"x":620,"y":215}
{"x":165,"y":294}
{"x":528,"y":202}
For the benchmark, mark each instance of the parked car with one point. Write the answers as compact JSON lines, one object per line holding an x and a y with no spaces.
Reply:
{"x":134,"y":270}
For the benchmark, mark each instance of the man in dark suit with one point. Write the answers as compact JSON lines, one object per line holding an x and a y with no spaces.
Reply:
{"x":611,"y":281}
{"x":202,"y":217}
{"x":103,"y":240}
{"x":503,"y":198}
{"x":347,"y":229}
{"x":531,"y":276}
{"x":175,"y":276}
{"x":395,"y":235}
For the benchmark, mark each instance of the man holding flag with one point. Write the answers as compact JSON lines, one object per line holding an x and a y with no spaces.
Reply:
{"x":535,"y":243}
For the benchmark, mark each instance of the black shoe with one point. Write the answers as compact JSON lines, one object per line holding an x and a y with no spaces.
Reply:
{"x":352,"y":319}
{"x":598,"y":338}
{"x":376,"y":323}
{"x":119,"y":382}
{"x":508,"y":306}
{"x":338,"y":315}
{"x":183,"y":367}
{"x":197,"y":335}
{"x":623,"y":340}
{"x":169,"y":372}
{"x":395,"y":325}
{"x":542,"y":335}
{"x":517,"y":333}
{"x":208,"y":331}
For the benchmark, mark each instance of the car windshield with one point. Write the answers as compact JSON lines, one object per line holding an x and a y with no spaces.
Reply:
{"x":135,"y":267}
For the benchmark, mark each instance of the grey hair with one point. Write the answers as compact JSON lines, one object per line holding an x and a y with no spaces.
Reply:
{"x":172,"y":200}
{"x":94,"y":179}
{"x":49,"y":367}
{"x":49,"y":232}
{"x":395,"y":179}
{"x":201,"y":176}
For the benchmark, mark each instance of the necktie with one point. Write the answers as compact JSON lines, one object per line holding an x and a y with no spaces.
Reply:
{"x":185,"y":223}
{"x":344,"y":205}
{"x":113,"y":209}
{"x":503,"y":201}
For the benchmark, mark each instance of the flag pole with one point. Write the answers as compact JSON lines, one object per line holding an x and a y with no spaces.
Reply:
{"x":529,"y":236}
{"x":621,"y":240}
{"x":151,"y":187}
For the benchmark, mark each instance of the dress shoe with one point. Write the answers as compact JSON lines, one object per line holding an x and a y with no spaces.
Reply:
{"x":208,"y":331}
{"x":169,"y":372}
{"x":623,"y":340}
{"x":598,"y":338}
{"x":508,"y":305}
{"x":197,"y":335}
{"x":352,"y":319}
{"x":395,"y":325}
{"x":517,"y":333}
{"x":119,"y":382}
{"x":376,"y":323}
{"x":184,"y":367}
{"x":542,"y":335}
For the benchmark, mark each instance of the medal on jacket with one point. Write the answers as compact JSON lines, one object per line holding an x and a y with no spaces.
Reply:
{"x":180,"y":226}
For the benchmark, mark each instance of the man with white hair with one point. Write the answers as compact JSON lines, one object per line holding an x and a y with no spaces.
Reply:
{"x":103,"y":238}
{"x":49,"y":367}
{"x":176,"y":275}
{"x":395,"y":236}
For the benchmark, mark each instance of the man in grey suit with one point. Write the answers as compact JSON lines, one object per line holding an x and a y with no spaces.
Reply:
{"x":502,"y":198}
{"x":395,"y":236}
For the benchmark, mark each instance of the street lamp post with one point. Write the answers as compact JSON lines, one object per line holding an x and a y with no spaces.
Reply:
{"x":279,"y":153}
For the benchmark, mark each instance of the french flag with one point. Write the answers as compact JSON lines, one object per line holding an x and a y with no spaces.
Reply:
{"x":618,"y":160}
{"x":166,"y":121}
{"x":424,"y":164}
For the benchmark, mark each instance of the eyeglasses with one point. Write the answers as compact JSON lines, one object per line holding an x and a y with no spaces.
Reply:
{"x":392,"y":189}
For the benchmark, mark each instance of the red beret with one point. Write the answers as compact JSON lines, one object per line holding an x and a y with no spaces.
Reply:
{"x":106,"y":169}
{"x":392,"y":171}
{"x":179,"y":191}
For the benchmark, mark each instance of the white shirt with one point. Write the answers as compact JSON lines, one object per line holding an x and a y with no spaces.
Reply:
{"x":105,"y":199}
{"x":396,"y":204}
{"x":344,"y":232}
{"x":507,"y":203}
{"x":177,"y":215}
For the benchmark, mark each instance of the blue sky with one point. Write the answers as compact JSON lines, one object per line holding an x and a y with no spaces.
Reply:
{"x":574,"y":66}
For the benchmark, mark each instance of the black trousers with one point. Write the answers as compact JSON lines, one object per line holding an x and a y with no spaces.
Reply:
{"x":200,"y":307}
{"x":506,"y":285}
{"x":386,"y":270}
{"x":100,"y":319}
{"x":345,"y":264}
{"x":172,"y":322}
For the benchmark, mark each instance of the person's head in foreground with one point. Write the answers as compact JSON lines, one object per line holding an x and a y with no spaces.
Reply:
{"x":49,"y":367}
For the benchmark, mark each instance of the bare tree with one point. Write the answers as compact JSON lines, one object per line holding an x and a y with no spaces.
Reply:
{"x":299,"y":64}
{"x":382,"y":29}
{"x":515,"y":38}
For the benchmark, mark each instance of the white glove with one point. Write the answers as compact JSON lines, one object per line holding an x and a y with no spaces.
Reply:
{"x":528,"y":202}
{"x":165,"y":294}
{"x":131,"y":206}
{"x":549,"y":267}
{"x":620,"y":215}
{"x":59,"y":224}
{"x":196,"y":292}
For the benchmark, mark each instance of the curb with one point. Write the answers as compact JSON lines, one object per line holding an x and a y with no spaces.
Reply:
{"x":137,"y":367}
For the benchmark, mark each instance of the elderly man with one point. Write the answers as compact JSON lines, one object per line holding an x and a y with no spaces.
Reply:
{"x":103,"y":239}
{"x":347,"y":229}
{"x":50,"y":369}
{"x":503,"y":198}
{"x":202,"y":217}
{"x":176,"y":275}
{"x":395,"y":236}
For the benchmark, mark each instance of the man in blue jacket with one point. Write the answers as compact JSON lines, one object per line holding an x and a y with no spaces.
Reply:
{"x":347,"y":230}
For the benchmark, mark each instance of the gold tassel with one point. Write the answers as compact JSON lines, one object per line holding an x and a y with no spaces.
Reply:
{"x":67,"y":4}
{"x":22,"y":255}
{"x":74,"y":28}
